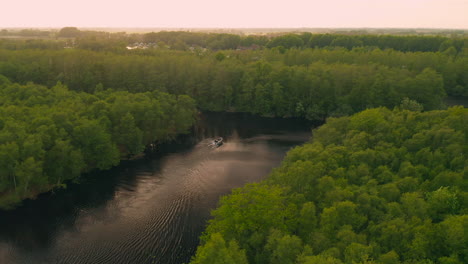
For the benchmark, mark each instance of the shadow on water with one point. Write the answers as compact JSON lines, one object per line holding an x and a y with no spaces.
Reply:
{"x":150,"y":210}
{"x":456,"y":100}
{"x":36,"y":216}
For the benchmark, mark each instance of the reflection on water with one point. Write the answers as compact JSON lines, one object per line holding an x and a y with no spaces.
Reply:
{"x":150,"y":210}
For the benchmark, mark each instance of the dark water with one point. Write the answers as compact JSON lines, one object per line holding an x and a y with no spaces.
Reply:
{"x":150,"y":210}
{"x":456,"y":100}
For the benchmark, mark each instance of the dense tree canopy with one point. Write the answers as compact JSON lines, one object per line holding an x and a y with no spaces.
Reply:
{"x":69,"y":32}
{"x":50,"y":135}
{"x":310,"y":83}
{"x":380,"y":186}
{"x":406,"y":40}
{"x":313,"y":76}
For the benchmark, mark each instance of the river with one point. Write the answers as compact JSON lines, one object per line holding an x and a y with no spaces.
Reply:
{"x":150,"y":210}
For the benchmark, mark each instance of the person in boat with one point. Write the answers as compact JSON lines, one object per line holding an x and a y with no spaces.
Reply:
{"x":218,"y":141}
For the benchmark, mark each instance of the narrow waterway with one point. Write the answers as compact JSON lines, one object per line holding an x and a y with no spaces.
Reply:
{"x":456,"y":100}
{"x":150,"y":210}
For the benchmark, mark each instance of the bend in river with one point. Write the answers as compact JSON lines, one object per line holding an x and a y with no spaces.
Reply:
{"x":150,"y":210}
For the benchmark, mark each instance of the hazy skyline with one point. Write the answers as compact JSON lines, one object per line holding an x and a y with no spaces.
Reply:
{"x":236,"y":14}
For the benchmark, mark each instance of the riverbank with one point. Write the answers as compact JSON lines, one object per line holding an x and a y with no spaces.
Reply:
{"x":350,"y":192}
{"x":50,"y":136}
{"x":152,"y":209}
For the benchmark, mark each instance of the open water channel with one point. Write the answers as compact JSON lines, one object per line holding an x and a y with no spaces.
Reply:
{"x":150,"y":210}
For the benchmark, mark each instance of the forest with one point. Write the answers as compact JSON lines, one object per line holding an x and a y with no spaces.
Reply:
{"x":380,"y":186}
{"x":403,"y":40}
{"x":312,"y":83}
{"x":49,"y":136}
{"x":383,"y":181}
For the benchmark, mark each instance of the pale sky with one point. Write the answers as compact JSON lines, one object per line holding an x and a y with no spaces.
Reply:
{"x":235,"y":13}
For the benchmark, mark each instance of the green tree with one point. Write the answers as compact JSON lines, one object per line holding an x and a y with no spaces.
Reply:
{"x":443,"y":202}
{"x":320,"y":260}
{"x":29,"y":173}
{"x":63,"y":162}
{"x":69,"y":32}
{"x":357,"y":253}
{"x":128,"y":135}
{"x":217,"y":251}
{"x":412,"y":105}
{"x":9,"y":159}
{"x":283,"y":249}
{"x":390,"y":257}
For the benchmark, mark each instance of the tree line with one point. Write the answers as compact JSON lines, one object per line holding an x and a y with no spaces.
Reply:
{"x":51,"y":135}
{"x":310,"y":83}
{"x":183,"y":40}
{"x":380,"y":186}
{"x":399,"y":43}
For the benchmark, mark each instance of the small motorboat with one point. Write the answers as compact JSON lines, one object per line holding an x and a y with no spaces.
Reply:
{"x":217,"y":142}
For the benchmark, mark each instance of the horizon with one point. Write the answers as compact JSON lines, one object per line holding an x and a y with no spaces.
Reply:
{"x":175,"y":27}
{"x":211,"y":14}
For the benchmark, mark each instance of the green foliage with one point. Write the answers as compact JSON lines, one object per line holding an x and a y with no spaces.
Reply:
{"x":412,"y":105}
{"x":307,"y":82}
{"x":128,"y":135}
{"x":412,"y":43}
{"x":220,"y":56}
{"x":390,"y":257}
{"x":49,"y":136}
{"x":286,"y":41}
{"x":69,"y":32}
{"x":283,"y":249}
{"x":217,"y":251}
{"x":321,"y":260}
{"x":380,"y":186}
{"x":443,"y":202}
{"x":248,"y":214}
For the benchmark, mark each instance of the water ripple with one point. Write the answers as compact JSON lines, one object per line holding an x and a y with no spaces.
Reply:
{"x":144,"y":211}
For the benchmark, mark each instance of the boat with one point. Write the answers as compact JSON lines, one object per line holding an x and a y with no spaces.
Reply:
{"x":217,"y":142}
